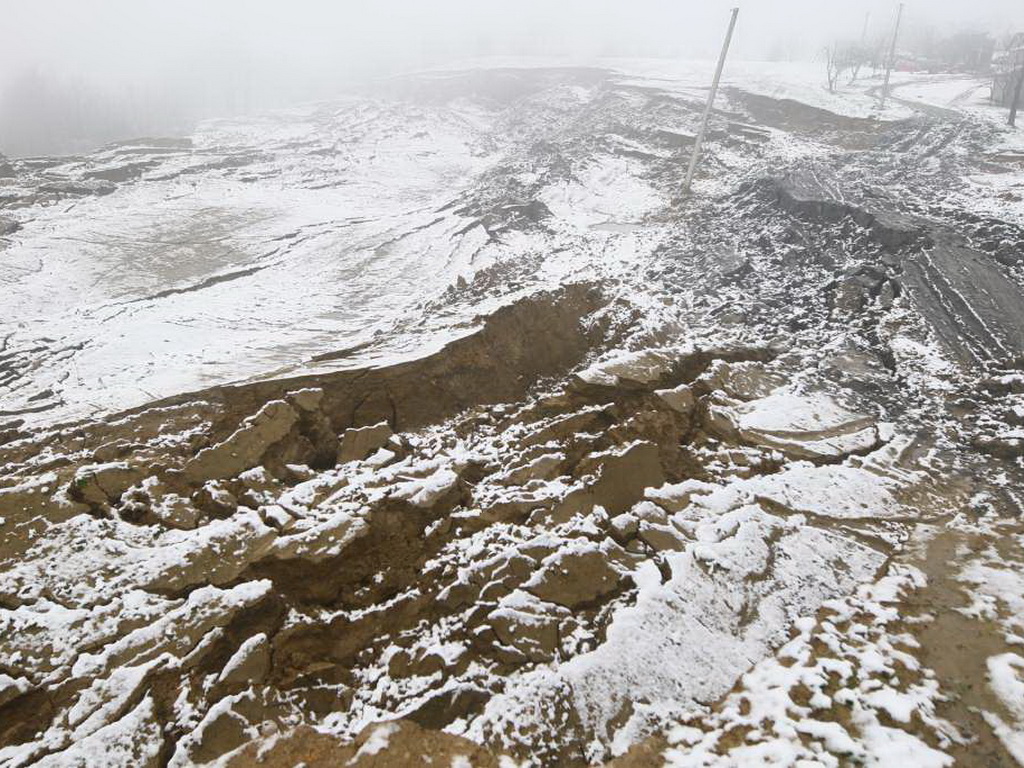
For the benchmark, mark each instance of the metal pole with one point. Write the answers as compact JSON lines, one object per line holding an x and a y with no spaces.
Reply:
{"x":711,"y":102}
{"x":892,"y":55}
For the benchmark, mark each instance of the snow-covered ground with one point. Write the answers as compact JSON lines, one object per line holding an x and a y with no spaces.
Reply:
{"x":265,"y":243}
{"x":275,"y":239}
{"x":717,"y":483}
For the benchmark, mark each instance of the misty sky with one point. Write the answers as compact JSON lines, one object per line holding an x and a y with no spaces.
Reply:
{"x":163,"y":62}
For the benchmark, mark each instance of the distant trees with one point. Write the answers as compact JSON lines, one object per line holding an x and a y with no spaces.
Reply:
{"x":42,"y":114}
{"x":965,"y":52}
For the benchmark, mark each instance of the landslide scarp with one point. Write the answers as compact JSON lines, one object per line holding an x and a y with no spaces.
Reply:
{"x":187,"y":579}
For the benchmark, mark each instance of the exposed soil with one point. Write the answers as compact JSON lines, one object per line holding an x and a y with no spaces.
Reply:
{"x":722,"y":493}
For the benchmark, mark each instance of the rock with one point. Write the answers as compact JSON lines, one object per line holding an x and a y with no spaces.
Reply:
{"x":680,"y":399}
{"x":858,"y":369}
{"x":316,"y":445}
{"x":644,"y":367}
{"x":152,"y":503}
{"x":622,"y":478}
{"x":427,"y":491}
{"x":101,"y":484}
{"x":97,"y":187}
{"x":361,"y":442}
{"x":624,"y":527}
{"x":249,"y":664}
{"x":121,"y":173}
{"x":12,"y":687}
{"x":223,"y":730}
{"x":566,"y":427}
{"x":215,"y":500}
{"x":1005,"y":384}
{"x":276,"y":516}
{"x":1006,"y":446}
{"x":661,"y":538}
{"x":396,"y":744}
{"x":575,"y":577}
{"x":245,"y":448}
{"x":529,"y":627}
{"x":858,"y":288}
{"x":403,"y":665}
{"x":543,"y":467}
{"x":801,"y":426}
{"x":887,"y":294}
{"x":8,"y":226}
{"x":381,"y":458}
{"x":650,"y":512}
{"x":320,"y":542}
{"x":747,"y":380}
{"x":112,"y":451}
{"x":677,"y":498}
{"x":308,"y":400}
{"x":730,"y":263}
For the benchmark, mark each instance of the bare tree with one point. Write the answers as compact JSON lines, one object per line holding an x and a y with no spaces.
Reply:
{"x":843,"y":57}
{"x":834,"y":65}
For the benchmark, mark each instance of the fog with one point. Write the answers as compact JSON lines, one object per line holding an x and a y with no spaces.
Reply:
{"x":75,"y":74}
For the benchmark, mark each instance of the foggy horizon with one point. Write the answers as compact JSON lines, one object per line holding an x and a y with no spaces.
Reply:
{"x":120,"y":69}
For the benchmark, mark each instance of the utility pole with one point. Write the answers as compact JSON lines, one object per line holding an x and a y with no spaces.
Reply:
{"x":711,"y":102}
{"x":1016,"y":94}
{"x":892,"y":55}
{"x":864,"y":32}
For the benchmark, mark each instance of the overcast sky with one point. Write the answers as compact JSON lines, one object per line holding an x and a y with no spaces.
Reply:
{"x":129,"y":38}
{"x":194,"y":57}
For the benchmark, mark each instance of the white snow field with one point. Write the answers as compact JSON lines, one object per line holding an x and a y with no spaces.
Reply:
{"x":266,"y":241}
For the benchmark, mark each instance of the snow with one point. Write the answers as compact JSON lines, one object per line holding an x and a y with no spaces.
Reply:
{"x":641,"y":659}
{"x":1006,"y":679}
{"x":294,"y":235}
{"x":838,"y":491}
{"x":789,"y":412}
{"x":802,"y":82}
{"x":376,"y":742}
{"x":339,"y":258}
{"x":100,"y":704}
{"x":244,"y":651}
{"x":279,"y":237}
{"x":997,"y":591}
{"x":646,"y":367}
{"x":424,"y":492}
{"x":859,"y":661}
{"x":133,"y":740}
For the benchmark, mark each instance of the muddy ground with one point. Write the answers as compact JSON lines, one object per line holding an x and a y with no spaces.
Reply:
{"x":712,"y":480}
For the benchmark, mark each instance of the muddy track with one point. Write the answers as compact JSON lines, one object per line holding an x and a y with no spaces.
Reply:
{"x":972,"y":303}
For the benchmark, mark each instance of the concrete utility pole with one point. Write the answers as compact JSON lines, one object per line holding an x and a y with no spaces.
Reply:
{"x":891,"y":62}
{"x":1015,"y":103}
{"x":711,"y":102}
